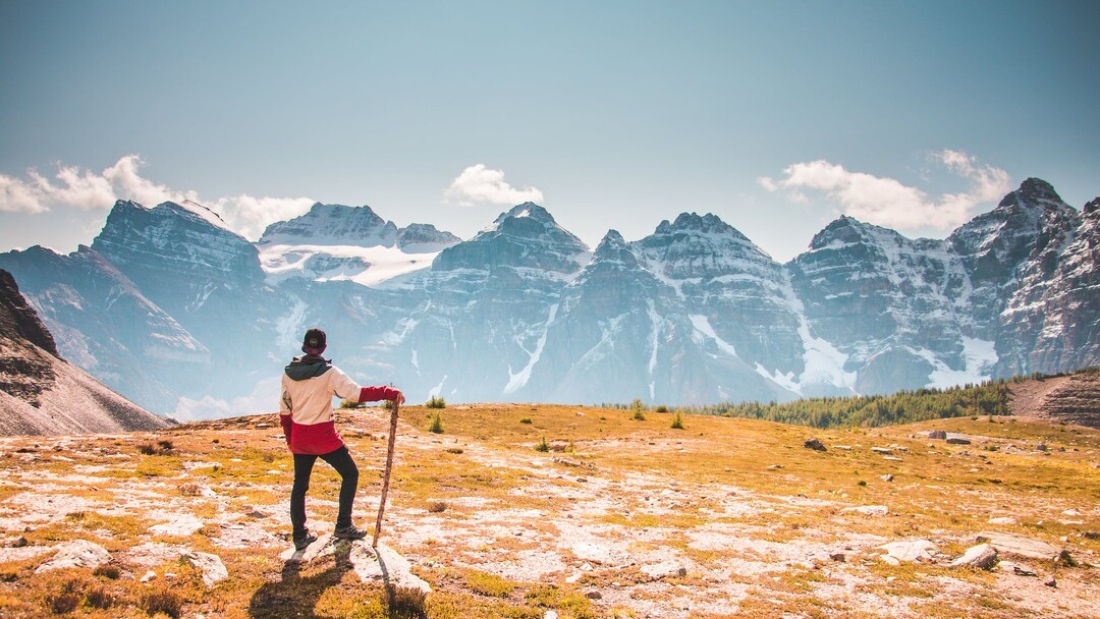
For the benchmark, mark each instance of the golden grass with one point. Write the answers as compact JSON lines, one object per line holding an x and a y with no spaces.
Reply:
{"x":483,"y":474}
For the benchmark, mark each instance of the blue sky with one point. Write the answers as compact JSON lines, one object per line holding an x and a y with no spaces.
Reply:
{"x":776,"y":116}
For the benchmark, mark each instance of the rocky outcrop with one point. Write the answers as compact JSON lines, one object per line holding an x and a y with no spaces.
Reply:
{"x":40,"y":393}
{"x":1071,"y":399}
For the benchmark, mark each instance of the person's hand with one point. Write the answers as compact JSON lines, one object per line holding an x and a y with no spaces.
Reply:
{"x":399,"y":399}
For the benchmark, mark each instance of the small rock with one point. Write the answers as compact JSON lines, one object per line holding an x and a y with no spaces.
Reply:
{"x":1051,"y":583}
{"x":593,"y":595}
{"x":957,"y":440}
{"x":77,"y":553}
{"x":869,"y":510}
{"x":150,"y":575}
{"x":981,"y":556}
{"x":775,"y":467}
{"x":211,"y":566}
{"x":887,"y":477}
{"x":938,"y":434}
{"x":882,"y":450}
{"x":839,"y":557}
{"x":1002,"y":520}
{"x":1016,"y":568}
{"x":815,"y":444}
{"x":550,"y":615}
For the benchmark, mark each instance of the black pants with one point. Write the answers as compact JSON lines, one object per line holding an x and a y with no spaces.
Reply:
{"x":303,"y":468}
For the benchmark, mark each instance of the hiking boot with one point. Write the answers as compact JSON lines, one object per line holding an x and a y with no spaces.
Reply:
{"x":303,"y":540}
{"x":349,"y":532}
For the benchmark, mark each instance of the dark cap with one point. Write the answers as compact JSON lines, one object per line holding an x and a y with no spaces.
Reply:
{"x":314,"y":342}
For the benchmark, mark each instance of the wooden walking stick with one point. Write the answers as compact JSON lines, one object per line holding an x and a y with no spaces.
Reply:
{"x":386,"y":474}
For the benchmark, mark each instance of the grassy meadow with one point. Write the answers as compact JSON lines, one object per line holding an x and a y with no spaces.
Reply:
{"x":541,"y":511}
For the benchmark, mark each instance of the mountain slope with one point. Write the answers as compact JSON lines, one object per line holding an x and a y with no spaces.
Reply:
{"x":42,"y":394}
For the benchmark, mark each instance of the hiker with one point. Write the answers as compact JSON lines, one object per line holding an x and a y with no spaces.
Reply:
{"x":309,"y":425}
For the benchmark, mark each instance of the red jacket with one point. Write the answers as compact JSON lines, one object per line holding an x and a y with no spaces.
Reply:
{"x":305,"y":408}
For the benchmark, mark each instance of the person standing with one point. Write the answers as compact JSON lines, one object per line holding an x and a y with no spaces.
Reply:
{"x":309,"y":425}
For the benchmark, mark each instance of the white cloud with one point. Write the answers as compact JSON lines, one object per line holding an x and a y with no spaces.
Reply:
{"x":479,"y":184}
{"x":75,"y":189}
{"x":250,"y":216}
{"x":129,"y":185}
{"x":888,"y":202}
{"x":82,"y":189}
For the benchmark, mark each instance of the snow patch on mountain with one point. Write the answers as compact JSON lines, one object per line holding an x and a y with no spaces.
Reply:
{"x":703,"y":331}
{"x":980,"y":357}
{"x":519,"y":379}
{"x":367,"y":266}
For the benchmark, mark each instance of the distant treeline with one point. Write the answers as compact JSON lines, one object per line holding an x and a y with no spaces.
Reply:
{"x":989,"y":398}
{"x":875,"y":410}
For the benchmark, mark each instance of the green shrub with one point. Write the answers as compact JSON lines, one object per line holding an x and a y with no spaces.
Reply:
{"x":678,"y":421}
{"x":542,"y":445}
{"x":662,"y":409}
{"x":435,"y":402}
{"x":526,"y":420}
{"x":437,"y":424}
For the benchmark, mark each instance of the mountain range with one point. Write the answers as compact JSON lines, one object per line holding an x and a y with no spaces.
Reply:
{"x":177,"y":312}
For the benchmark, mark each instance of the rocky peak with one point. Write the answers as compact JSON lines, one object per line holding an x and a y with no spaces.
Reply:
{"x":333,"y":224}
{"x":692,"y":221}
{"x":425,"y":237}
{"x":172,"y":239}
{"x":1092,"y":207}
{"x":1033,"y":191}
{"x":529,"y":210}
{"x":525,"y":237}
{"x":613,"y":250}
{"x":996,"y":243}
{"x":842,"y":231}
{"x":701,"y":247}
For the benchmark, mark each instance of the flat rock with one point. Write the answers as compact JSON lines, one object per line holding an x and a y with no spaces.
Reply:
{"x":869,"y":510}
{"x":664,"y":569}
{"x":1020,"y":546}
{"x":386,"y":565}
{"x":183,"y":526}
{"x":912,"y":550}
{"x":77,"y":553}
{"x":319,"y":548}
